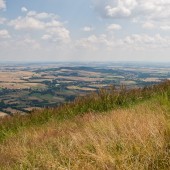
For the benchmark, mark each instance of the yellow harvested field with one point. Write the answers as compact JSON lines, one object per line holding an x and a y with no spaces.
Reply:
{"x":98,"y":85}
{"x":21,"y":85}
{"x":2,"y":114}
{"x":15,"y":77}
{"x":39,"y":80}
{"x":48,"y":77}
{"x":89,"y":73}
{"x":80,"y":88}
{"x":152,"y":79}
{"x":121,"y":77}
{"x":128,"y":82}
{"x":33,"y":108}
{"x":87,"y":79}
{"x":13,"y":111}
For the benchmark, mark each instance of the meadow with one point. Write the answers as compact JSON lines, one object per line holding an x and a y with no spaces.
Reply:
{"x":127,"y":129}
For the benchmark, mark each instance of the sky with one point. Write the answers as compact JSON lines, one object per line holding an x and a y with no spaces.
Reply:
{"x":85,"y":30}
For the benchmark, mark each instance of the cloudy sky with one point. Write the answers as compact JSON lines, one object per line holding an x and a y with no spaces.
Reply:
{"x":85,"y":30}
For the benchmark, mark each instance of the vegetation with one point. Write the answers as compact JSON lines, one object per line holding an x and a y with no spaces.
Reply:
{"x":111,"y":129}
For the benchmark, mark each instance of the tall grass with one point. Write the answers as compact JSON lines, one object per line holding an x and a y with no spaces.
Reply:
{"x":125,"y":139}
{"x":101,"y":101}
{"x":111,"y":129}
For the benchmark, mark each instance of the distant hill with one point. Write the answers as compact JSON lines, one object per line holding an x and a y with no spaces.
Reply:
{"x":126,"y":129}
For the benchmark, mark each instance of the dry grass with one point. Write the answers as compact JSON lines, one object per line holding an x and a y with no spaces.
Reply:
{"x":110,"y":130}
{"x":126,"y":139}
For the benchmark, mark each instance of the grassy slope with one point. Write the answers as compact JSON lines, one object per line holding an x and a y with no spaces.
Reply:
{"x":110,"y":130}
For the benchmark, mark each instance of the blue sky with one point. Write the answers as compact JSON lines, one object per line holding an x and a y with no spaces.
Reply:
{"x":84,"y":30}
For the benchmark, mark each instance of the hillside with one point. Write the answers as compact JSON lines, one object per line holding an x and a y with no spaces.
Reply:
{"x":124,"y":130}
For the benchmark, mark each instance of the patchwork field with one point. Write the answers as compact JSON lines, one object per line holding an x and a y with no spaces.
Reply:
{"x":27,"y":86}
{"x":15,"y":76}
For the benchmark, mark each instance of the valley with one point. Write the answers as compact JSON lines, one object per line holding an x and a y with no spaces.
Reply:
{"x":28,"y":86}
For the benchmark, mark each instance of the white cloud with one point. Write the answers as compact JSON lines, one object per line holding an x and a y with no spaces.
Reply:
{"x":54,"y":23}
{"x":144,"y":41}
{"x":57,"y":34}
{"x":114,"y":27}
{"x":115,"y":8}
{"x":28,"y":42}
{"x":34,"y":20}
{"x":46,"y":37}
{"x":165,"y":27}
{"x":117,"y":11}
{"x":148,"y":25}
{"x":89,"y":42}
{"x":2,"y":4}
{"x":150,"y":14}
{"x":88,"y":29}
{"x":132,"y":42}
{"x":24,"y":9}
{"x":2,"y":20}
{"x":26,"y":23}
{"x":20,"y":43}
{"x":140,"y":9}
{"x":42,"y":15}
{"x":95,"y":42}
{"x":52,"y":29}
{"x":4,"y":34}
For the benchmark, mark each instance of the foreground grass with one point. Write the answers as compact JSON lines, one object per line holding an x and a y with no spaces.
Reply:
{"x":124,"y":130}
{"x":136,"y":138}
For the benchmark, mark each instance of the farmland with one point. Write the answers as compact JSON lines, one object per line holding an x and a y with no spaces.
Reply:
{"x":24,"y":86}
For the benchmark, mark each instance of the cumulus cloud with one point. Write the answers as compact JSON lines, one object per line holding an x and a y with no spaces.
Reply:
{"x":132,"y":42}
{"x":95,"y":42}
{"x":88,"y":29}
{"x":48,"y":23}
{"x":148,"y":25}
{"x":57,"y":34}
{"x":20,"y":43}
{"x":140,"y":9}
{"x":4,"y":34}
{"x":26,"y":23}
{"x":24,"y":9}
{"x":144,"y":41}
{"x":2,"y":20}
{"x":2,"y":4}
{"x":165,"y":27}
{"x":121,"y":9}
{"x":90,"y":42}
{"x":28,"y":42}
{"x":42,"y":15}
{"x":113,"y":27}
